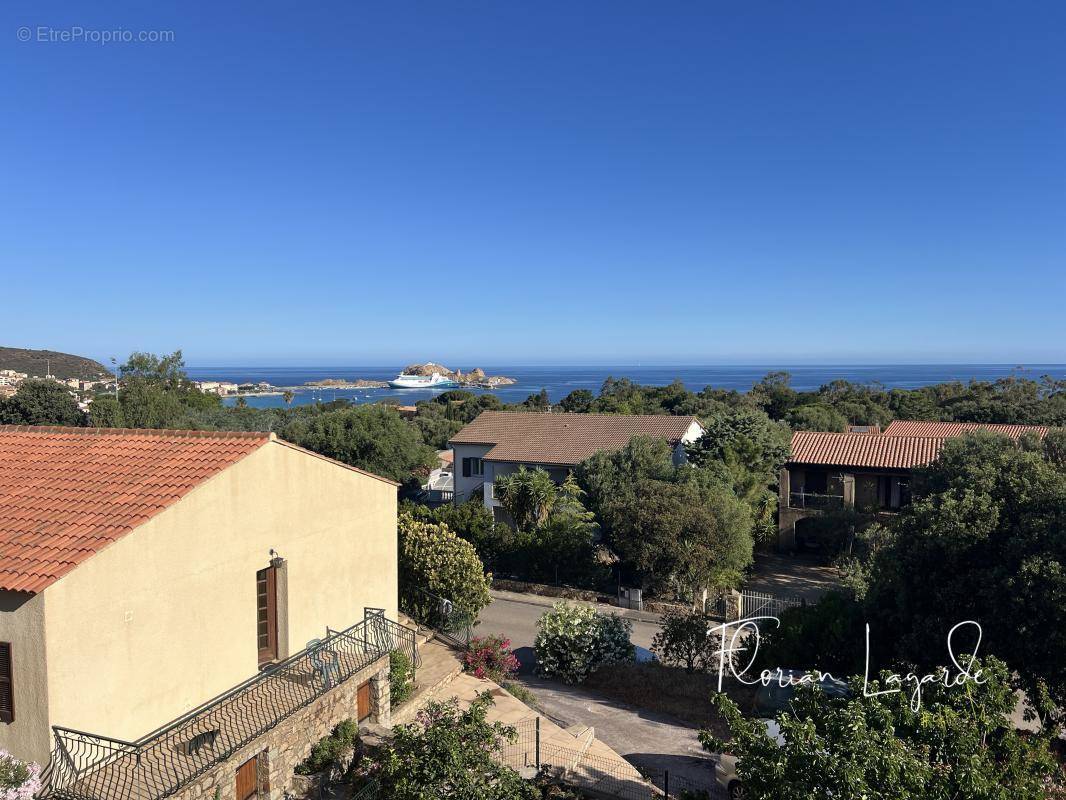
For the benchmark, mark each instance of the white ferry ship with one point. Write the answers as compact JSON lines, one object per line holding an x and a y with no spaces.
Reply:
{"x":434,"y":381}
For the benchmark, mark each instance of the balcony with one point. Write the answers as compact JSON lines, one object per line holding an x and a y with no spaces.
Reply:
{"x":820,"y":502}
{"x":87,"y":766}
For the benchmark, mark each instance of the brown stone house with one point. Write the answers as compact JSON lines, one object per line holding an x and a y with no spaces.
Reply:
{"x":182,"y":611}
{"x":867,"y":470}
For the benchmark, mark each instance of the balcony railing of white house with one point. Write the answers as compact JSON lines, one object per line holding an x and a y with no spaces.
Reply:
{"x":88,"y":766}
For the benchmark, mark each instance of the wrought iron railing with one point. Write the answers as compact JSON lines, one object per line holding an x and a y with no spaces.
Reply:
{"x":817,"y":501}
{"x":87,"y":766}
{"x":442,"y":616}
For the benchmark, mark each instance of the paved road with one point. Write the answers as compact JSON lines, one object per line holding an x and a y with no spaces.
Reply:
{"x":516,"y":616}
{"x":648,"y":740}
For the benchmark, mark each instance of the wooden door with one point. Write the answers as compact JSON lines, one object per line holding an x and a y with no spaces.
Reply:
{"x":362,"y":701}
{"x":266,"y":590}
{"x":248,"y":779}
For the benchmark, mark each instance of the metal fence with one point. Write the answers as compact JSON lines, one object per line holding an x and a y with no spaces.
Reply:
{"x":442,"y":616}
{"x":756,"y":604}
{"x":87,"y":766}
{"x":822,"y":502}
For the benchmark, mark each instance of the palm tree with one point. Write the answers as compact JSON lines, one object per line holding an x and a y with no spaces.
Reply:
{"x":288,"y":396}
{"x":527,"y":495}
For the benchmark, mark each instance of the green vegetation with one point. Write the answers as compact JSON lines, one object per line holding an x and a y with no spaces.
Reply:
{"x":984,"y":539}
{"x":59,"y":365}
{"x":434,"y":559}
{"x":683,"y":641}
{"x":41,"y":402}
{"x":958,"y":744}
{"x":401,"y":677}
{"x":676,"y":528}
{"x":330,"y":749}
{"x":573,"y":640}
{"x":448,"y":752}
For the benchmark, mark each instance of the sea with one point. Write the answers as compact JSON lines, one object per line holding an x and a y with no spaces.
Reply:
{"x":560,"y":381}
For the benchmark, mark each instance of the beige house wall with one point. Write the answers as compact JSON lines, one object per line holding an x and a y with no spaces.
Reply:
{"x":165,"y":618}
{"x":22,"y":624}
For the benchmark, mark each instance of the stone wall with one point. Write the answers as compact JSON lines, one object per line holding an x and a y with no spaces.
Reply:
{"x":286,"y":745}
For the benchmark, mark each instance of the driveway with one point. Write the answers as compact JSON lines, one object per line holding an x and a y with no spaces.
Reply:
{"x":792,"y":576}
{"x":646,"y":739}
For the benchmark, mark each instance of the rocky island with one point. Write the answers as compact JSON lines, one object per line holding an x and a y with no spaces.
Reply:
{"x":475,"y":377}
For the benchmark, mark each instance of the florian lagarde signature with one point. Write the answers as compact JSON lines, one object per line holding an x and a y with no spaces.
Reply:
{"x":745,"y":638}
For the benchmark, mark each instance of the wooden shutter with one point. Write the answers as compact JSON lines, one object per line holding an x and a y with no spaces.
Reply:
{"x":362,"y":701}
{"x":7,"y":693}
{"x":266,"y":590}
{"x":248,"y":779}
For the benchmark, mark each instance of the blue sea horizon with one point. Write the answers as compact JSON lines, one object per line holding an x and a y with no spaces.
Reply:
{"x":560,"y":381}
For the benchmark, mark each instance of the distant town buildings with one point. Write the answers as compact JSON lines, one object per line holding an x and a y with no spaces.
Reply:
{"x":221,"y":388}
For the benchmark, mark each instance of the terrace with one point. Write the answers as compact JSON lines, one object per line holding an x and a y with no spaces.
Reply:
{"x":88,"y":766}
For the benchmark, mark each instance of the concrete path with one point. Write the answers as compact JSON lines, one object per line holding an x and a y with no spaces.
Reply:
{"x":792,"y":576}
{"x":648,"y":740}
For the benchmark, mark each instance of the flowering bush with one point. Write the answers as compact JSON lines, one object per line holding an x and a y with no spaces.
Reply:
{"x":434,"y":559}
{"x":490,"y":657}
{"x":19,"y":780}
{"x":572,"y":640}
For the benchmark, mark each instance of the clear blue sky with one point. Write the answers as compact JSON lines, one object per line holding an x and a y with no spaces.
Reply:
{"x":550,"y":182}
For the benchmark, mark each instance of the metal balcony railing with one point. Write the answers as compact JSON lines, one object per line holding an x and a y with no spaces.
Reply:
{"x":816,"y":501}
{"x":88,"y":766}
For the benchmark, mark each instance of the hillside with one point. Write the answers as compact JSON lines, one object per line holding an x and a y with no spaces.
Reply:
{"x":64,"y":365}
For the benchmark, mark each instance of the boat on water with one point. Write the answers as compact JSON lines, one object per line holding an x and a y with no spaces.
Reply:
{"x":434,"y":381}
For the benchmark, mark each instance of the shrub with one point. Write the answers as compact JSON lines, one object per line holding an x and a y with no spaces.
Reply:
{"x":448,"y":752}
{"x":434,"y":559}
{"x":400,"y":679}
{"x":490,"y":657}
{"x":330,"y":748}
{"x":828,"y":636}
{"x":684,"y":641}
{"x":572,"y":640}
{"x":19,"y":780}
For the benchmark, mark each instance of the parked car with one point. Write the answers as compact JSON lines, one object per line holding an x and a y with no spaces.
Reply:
{"x":725,"y":771}
{"x":770,"y":701}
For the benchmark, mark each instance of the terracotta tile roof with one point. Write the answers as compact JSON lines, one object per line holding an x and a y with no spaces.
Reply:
{"x":66,"y":493}
{"x":564,"y":439}
{"x":912,"y":427}
{"x":864,"y":450}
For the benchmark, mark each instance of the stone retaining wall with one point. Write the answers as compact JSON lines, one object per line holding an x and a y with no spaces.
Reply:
{"x":280,"y":749}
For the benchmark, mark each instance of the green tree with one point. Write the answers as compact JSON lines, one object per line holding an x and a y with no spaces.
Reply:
{"x":684,"y":640}
{"x":562,"y":548}
{"x":370,"y":437}
{"x":105,"y":411}
{"x":817,"y":417}
{"x":41,"y":402}
{"x":983,"y":539}
{"x":682,"y":536}
{"x":826,"y":635}
{"x":288,"y":396}
{"x":749,"y":444}
{"x":449,"y":752}
{"x":527,"y":495}
{"x":434,"y":559}
{"x":579,"y":401}
{"x":959,"y":744}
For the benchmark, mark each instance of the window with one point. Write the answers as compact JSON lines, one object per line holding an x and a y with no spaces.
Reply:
{"x":266,"y":590}
{"x":7,"y":694}
{"x":473,"y":466}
